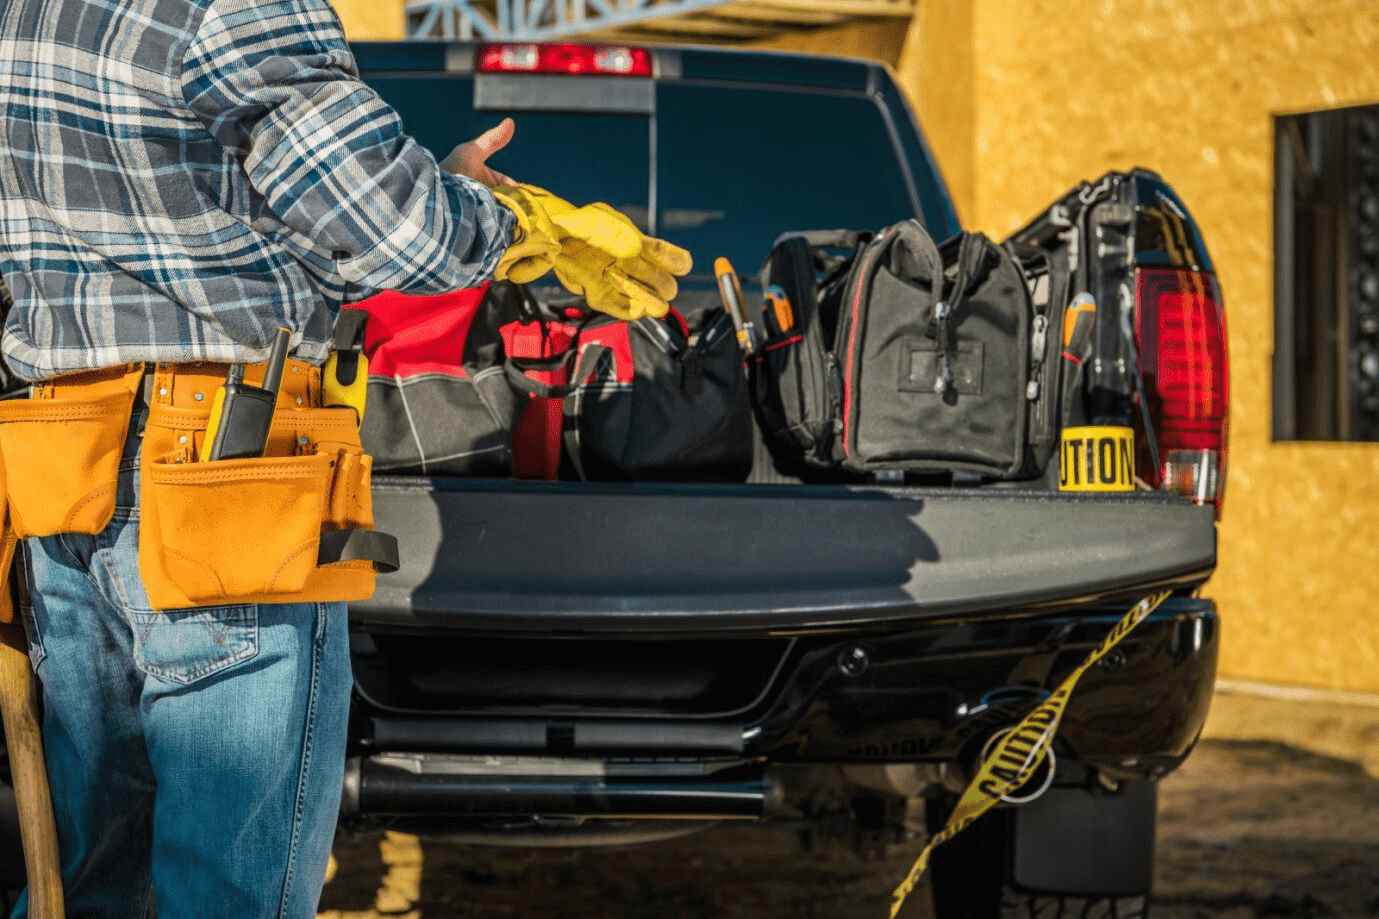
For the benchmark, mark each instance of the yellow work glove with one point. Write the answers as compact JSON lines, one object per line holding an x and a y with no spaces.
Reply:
{"x":595,"y":251}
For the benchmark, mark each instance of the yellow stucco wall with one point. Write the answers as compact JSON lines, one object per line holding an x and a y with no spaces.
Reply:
{"x":371,"y":20}
{"x":878,"y":39}
{"x":1064,"y":89}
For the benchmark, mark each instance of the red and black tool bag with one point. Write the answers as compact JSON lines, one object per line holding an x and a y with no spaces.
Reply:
{"x":649,"y":400}
{"x":439,"y":401}
{"x":490,"y":382}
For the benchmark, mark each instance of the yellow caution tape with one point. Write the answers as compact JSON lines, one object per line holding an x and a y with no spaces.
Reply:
{"x":1019,"y":752}
{"x":1097,"y":458}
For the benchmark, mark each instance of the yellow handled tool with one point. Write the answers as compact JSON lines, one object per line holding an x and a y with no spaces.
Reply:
{"x":32,"y":796}
{"x":781,"y":309}
{"x":345,"y":378}
{"x":730,"y":290}
{"x":24,"y":738}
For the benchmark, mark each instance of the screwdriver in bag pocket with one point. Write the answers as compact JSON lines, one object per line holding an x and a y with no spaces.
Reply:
{"x":240,"y":414}
{"x":730,"y":290}
{"x":781,"y":309}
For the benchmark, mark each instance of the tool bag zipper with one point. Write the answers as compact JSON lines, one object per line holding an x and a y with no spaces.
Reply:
{"x":847,"y":342}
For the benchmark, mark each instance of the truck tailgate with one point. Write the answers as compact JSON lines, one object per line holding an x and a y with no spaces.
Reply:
{"x":500,"y":555}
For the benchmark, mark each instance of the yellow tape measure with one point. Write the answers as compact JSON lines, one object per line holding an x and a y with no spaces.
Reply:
{"x":353,"y":393}
{"x":1019,"y":752}
{"x":1097,"y":458}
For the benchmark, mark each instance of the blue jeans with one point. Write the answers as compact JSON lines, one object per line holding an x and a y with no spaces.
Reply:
{"x":195,"y":757}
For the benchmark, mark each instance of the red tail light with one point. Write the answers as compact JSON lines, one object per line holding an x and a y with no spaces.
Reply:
{"x":1180,"y":330}
{"x":608,"y":61}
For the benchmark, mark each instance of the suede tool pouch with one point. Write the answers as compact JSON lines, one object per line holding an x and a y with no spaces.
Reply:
{"x":239,"y":528}
{"x":62,"y":452}
{"x":255,"y":530}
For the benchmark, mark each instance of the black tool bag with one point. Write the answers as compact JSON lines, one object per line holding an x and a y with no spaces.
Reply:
{"x":795,"y":382}
{"x":937,"y":361}
{"x":648,"y":400}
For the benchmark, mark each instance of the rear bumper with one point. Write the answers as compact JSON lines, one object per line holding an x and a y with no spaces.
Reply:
{"x":932,"y":693}
{"x":489,"y":555}
{"x":568,"y":652}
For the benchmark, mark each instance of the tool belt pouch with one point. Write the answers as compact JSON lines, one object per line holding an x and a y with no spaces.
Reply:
{"x":62,"y":454}
{"x":276,"y":529}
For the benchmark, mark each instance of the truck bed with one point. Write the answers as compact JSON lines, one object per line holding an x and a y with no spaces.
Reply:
{"x":496,"y":555}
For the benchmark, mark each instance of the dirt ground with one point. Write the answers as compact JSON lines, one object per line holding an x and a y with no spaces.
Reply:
{"x":1275,"y":815}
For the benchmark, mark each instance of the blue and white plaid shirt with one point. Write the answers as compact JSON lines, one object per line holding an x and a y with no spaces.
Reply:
{"x":179,"y":177}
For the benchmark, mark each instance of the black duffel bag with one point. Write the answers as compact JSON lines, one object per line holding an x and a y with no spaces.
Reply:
{"x":647,"y":400}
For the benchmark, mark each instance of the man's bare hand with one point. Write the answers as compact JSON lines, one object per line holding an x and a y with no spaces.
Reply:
{"x":468,"y":159}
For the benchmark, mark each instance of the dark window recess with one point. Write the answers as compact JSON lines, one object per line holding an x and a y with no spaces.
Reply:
{"x":737,"y":166}
{"x":1326,"y":284}
{"x":585,"y":156}
{"x":573,"y":676}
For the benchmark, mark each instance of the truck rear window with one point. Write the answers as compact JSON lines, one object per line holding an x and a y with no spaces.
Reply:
{"x":734,"y":165}
{"x":737,"y":166}
{"x":583,"y":156}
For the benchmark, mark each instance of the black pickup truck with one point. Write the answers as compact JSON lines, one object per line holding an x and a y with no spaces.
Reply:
{"x":576,"y":664}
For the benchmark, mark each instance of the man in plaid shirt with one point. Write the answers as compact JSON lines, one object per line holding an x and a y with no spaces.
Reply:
{"x":177,"y":179}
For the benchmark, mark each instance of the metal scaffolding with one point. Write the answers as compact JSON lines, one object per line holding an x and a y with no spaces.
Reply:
{"x":704,"y":20}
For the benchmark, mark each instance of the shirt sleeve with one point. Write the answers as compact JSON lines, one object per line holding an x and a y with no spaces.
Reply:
{"x":275,"y":84}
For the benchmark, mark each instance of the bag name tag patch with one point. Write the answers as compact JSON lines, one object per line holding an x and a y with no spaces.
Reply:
{"x":919,"y":373}
{"x":1097,"y":458}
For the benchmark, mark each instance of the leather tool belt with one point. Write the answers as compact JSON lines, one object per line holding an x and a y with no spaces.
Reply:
{"x":292,"y":526}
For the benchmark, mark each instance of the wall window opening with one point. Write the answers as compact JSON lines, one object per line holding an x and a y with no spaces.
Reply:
{"x":1326,"y":284}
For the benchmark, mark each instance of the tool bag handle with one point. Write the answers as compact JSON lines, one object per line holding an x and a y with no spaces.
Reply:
{"x":516,"y":369}
{"x":588,"y":361}
{"x":829,"y":266}
{"x":972,"y":252}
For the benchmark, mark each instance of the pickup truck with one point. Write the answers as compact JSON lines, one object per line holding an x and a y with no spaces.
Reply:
{"x":581,"y":664}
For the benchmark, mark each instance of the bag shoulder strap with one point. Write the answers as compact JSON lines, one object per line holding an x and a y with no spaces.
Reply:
{"x":972,"y":249}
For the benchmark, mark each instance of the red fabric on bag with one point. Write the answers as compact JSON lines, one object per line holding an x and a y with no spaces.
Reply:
{"x":616,"y":337}
{"x":410,"y":335}
{"x":536,"y":439}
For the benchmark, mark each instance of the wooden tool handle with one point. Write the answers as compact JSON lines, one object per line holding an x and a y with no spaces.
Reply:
{"x":38,"y":829}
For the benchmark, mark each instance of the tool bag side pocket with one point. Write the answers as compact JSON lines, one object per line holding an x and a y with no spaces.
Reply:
{"x":62,"y":458}
{"x":794,"y":381}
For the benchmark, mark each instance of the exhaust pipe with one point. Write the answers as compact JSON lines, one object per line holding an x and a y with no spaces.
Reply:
{"x":397,"y":785}
{"x":1038,"y":784}
{"x":958,"y":775}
